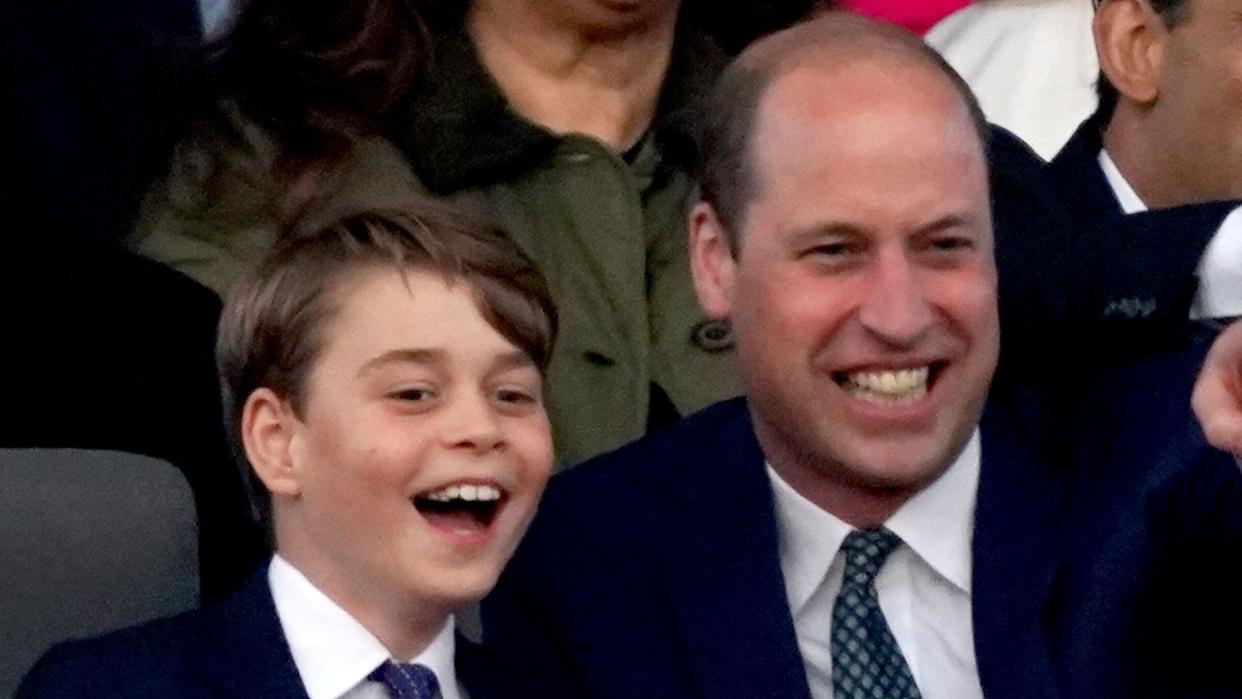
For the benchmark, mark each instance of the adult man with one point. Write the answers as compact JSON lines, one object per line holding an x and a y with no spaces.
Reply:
{"x":1137,"y":181}
{"x":844,"y":231}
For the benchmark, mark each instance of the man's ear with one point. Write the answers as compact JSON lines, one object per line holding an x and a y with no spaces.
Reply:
{"x":268,"y":432}
{"x":711,"y":261}
{"x":1130,"y":39}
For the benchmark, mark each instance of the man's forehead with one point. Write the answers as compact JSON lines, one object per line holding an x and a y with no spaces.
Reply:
{"x":833,"y":84}
{"x":859,"y":108}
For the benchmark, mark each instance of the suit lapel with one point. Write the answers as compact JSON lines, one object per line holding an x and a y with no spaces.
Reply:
{"x":1173,"y":239}
{"x":476,"y":672}
{"x":724,"y":570}
{"x":1016,"y":548}
{"x":1076,"y":172}
{"x":242,"y":651}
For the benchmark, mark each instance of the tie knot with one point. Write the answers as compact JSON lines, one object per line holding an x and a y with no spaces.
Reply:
{"x":407,"y":681}
{"x":865,"y":550}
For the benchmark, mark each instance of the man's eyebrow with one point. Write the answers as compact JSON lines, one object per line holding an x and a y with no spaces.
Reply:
{"x":948,"y":221}
{"x":798,"y":235}
{"x":416,"y":355}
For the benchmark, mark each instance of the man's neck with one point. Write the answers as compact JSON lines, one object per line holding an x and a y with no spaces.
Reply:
{"x":857,"y":506}
{"x":1137,"y":159}
{"x":569,"y":79}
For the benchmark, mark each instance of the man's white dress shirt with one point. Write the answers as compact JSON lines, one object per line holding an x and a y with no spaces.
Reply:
{"x":923,"y":587}
{"x":1220,"y":270}
{"x":334,"y":653}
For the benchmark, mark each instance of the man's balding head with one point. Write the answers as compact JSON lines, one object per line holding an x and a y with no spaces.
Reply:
{"x":725,"y":171}
{"x":845,"y":234}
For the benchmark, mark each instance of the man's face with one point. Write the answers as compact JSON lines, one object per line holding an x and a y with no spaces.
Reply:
{"x":863,"y":296}
{"x":1197,"y":116}
{"x":422,"y":450}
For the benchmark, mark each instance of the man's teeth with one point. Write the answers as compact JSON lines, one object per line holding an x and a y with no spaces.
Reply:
{"x":469,"y":493}
{"x":888,"y":386}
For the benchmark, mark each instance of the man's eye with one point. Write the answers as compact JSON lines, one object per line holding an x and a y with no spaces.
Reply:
{"x":952,"y":243}
{"x":831,"y":250}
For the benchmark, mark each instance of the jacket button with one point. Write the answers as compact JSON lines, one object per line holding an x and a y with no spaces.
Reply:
{"x":712,"y":336}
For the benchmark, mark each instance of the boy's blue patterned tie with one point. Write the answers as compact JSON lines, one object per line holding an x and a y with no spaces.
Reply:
{"x":407,"y":681}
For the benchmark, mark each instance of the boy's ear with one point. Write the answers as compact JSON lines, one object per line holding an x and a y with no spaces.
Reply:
{"x":268,"y":429}
{"x":1130,"y":39}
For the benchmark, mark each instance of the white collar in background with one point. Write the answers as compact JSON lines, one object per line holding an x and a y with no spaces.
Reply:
{"x":332,"y":651}
{"x":1126,"y":196}
{"x":937,"y":524}
{"x":1220,"y":269}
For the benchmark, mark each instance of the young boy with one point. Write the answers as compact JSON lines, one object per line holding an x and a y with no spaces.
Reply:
{"x":384,"y":380}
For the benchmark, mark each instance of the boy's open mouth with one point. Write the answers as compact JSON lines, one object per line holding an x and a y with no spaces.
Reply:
{"x":461,"y":508}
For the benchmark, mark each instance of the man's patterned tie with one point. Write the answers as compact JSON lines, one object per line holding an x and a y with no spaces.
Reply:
{"x":407,"y":681}
{"x":866,"y":662}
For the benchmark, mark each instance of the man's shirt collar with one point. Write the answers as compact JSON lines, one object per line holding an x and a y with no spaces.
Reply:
{"x":937,"y":523}
{"x":1126,"y":196}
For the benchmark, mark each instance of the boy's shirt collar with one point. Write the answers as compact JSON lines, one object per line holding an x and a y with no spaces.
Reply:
{"x":332,"y":651}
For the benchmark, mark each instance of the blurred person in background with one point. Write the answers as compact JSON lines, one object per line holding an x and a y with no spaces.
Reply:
{"x":566,"y":122}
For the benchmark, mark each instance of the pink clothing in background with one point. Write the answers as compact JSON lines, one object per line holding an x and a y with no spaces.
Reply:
{"x":916,"y":15}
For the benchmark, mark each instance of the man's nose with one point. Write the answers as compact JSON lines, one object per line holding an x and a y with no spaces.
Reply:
{"x":895,"y":307}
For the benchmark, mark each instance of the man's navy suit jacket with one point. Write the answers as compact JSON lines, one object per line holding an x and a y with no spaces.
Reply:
{"x":654,"y":571}
{"x":1082,"y":284}
{"x":235,"y":648}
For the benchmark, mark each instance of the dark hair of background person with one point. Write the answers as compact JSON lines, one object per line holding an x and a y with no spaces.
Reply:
{"x":1172,"y":13}
{"x":317,"y":76}
{"x":272,"y":327}
{"x":732,"y":24}
{"x":724,"y":171}
{"x":320,"y":74}
{"x":322,"y":71}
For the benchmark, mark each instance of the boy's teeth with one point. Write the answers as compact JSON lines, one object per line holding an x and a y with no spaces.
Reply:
{"x":889,"y":385}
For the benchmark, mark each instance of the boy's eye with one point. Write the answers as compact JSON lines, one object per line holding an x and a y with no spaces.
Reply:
{"x":517,"y":399}
{"x":516,"y":396}
{"x":415,"y":394}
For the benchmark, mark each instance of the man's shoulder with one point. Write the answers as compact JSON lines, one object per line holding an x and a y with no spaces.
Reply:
{"x":626,"y":494}
{"x":672,"y":453}
{"x":1129,"y":420}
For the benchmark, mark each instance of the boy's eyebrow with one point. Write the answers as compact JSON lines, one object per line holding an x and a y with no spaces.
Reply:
{"x":411,"y":355}
{"x":516,"y":359}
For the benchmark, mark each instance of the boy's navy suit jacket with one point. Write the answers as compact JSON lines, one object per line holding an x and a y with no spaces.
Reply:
{"x":1106,"y":558}
{"x":235,"y":648}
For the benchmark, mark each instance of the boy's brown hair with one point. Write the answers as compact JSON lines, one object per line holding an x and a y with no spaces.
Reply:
{"x":271,"y":329}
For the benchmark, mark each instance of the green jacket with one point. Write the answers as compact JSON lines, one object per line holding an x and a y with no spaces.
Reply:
{"x":608,"y":233}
